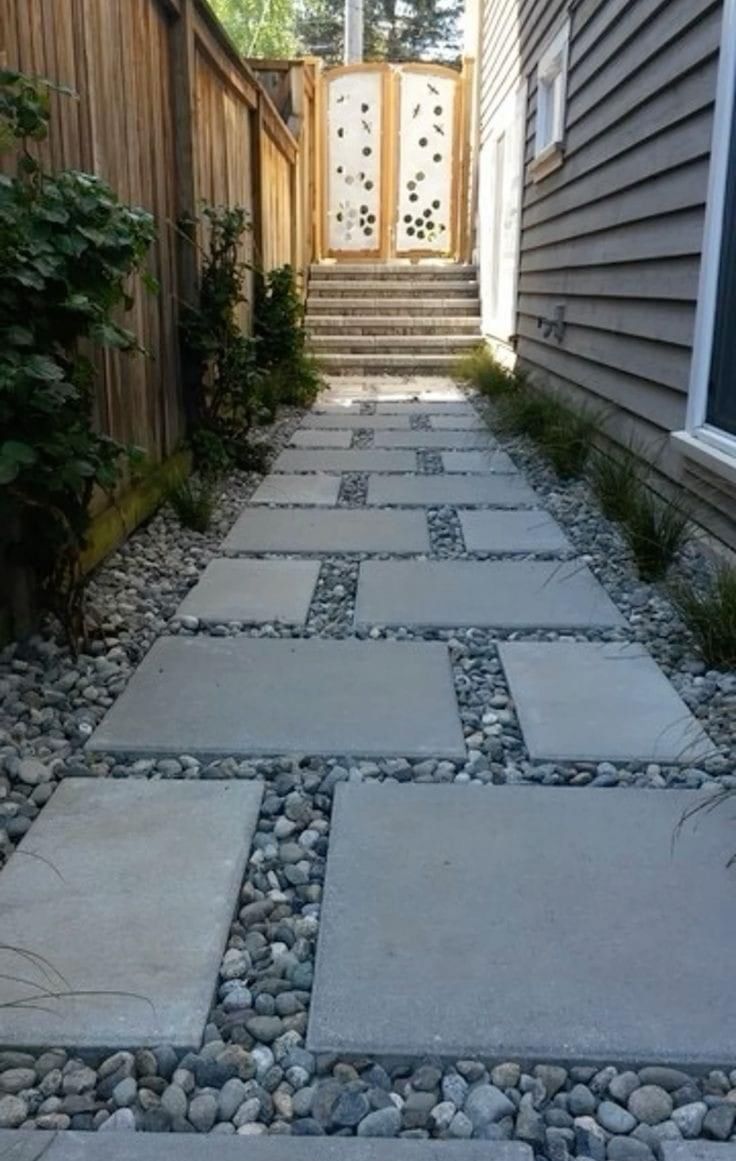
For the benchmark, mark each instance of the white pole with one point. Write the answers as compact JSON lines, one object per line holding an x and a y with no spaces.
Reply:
{"x":353,"y":31}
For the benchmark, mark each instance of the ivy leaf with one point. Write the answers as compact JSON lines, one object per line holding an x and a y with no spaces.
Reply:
{"x":150,"y":282}
{"x":13,"y":456}
{"x":41,"y":367}
{"x":110,"y":335}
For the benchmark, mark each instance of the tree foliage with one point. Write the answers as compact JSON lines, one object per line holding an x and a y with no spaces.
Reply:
{"x":259,"y":27}
{"x":394,"y":30}
{"x":67,"y":250}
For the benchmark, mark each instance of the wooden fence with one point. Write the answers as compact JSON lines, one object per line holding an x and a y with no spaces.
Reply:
{"x":169,"y":114}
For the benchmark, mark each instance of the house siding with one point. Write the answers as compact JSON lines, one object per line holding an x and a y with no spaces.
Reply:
{"x":615,"y":234}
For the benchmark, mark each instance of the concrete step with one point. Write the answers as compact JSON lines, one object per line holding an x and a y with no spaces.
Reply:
{"x":21,"y":1145}
{"x":372,"y":270}
{"x":323,"y":325}
{"x":378,"y":306}
{"x":393,"y":287}
{"x":394,"y":344}
{"x":381,"y":364}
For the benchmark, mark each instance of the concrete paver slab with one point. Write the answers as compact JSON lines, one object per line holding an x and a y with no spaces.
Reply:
{"x":457,"y":422}
{"x":351,"y":421}
{"x":579,"y":701}
{"x":130,"y":889}
{"x":531,"y":530}
{"x":426,"y":407}
{"x":505,"y":594}
{"x":352,"y":460}
{"x":433,"y":440}
{"x":250,"y":696}
{"x":570,"y":925}
{"x":253,"y":590}
{"x":492,"y":460}
{"x":426,"y":491}
{"x":331,"y":530}
{"x":321,"y":437}
{"x":18,"y":1145}
{"x":297,"y":489}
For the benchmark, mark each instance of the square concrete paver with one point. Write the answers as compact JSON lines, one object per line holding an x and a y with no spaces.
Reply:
{"x":531,"y":530}
{"x":253,"y":590}
{"x":285,"y":489}
{"x":433,"y":440}
{"x":598,"y":702}
{"x":469,"y":422}
{"x":352,"y":460}
{"x":349,"y":420}
{"x":333,"y":530}
{"x":319,"y":437}
{"x":123,"y":886}
{"x":532,"y":923}
{"x":81,"y":1146}
{"x":244,"y":695}
{"x":508,"y":594}
{"x":427,"y":491}
{"x":492,"y":460}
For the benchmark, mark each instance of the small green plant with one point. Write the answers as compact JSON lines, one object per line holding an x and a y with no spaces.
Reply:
{"x":526,"y":411}
{"x":616,"y":480}
{"x":278,"y":321}
{"x":68,"y":248}
{"x":656,"y":530}
{"x":567,"y":440}
{"x":193,"y":501}
{"x":710,"y":614}
{"x":481,"y":370}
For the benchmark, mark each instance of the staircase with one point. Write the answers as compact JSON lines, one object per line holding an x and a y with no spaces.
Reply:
{"x":382,"y":319}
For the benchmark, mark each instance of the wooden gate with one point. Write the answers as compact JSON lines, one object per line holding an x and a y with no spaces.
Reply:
{"x":392,"y":164}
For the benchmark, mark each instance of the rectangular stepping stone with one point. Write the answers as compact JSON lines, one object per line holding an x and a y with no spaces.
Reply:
{"x":492,"y":460}
{"x":127,"y":891}
{"x":253,"y":590}
{"x":526,"y":922}
{"x":427,"y":491}
{"x":506,"y":594}
{"x":297,"y":489}
{"x":431,"y":440}
{"x":348,"y":419}
{"x":471,"y":422}
{"x":699,"y":1150}
{"x":250,"y":696}
{"x":531,"y":530}
{"x":80,"y":1146}
{"x":352,"y":460}
{"x":599,"y":702}
{"x":334,"y":530}
{"x":317,"y":437}
{"x":426,"y":407}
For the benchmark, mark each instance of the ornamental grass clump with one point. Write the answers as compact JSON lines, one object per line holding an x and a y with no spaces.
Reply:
{"x":193,"y":500}
{"x":656,"y":531}
{"x":710,"y":615}
{"x":616,"y":480}
{"x":490,"y":378}
{"x":567,"y":440}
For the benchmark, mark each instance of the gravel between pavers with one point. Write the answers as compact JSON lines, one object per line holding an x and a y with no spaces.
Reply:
{"x":253,"y":1074}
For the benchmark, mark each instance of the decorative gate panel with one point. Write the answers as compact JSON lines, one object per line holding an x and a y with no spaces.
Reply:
{"x":391,"y":164}
{"x":427,"y":163}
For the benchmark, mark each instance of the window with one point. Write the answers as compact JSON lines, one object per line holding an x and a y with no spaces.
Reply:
{"x":710,"y":435}
{"x":551,"y":95}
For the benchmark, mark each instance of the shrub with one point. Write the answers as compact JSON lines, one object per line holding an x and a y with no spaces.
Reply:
{"x":710,"y":614}
{"x":480,"y":369}
{"x":278,"y":323}
{"x":656,"y":530}
{"x":193,"y":501}
{"x":616,"y":481}
{"x":67,"y":250}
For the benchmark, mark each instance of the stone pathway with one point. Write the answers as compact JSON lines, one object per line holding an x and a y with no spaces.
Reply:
{"x":395,"y":604}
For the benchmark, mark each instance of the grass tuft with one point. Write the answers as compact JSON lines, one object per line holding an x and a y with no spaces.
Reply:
{"x":193,"y":501}
{"x":616,"y":480}
{"x":710,"y":614}
{"x":568,"y":441}
{"x":656,"y":530}
{"x":486,"y":374}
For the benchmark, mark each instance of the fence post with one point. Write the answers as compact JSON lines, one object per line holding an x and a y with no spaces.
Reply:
{"x":256,"y":141}
{"x":184,"y":96}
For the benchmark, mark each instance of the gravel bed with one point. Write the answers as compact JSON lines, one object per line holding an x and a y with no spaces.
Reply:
{"x":353,"y":490}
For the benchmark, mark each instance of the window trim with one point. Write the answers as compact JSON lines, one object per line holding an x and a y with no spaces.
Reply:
{"x":713,"y":441}
{"x":553,"y":63}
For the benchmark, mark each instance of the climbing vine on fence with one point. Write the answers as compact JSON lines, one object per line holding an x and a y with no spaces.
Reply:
{"x":67,"y":250}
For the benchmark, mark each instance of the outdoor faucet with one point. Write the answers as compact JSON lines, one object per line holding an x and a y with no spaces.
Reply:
{"x":553,"y":327}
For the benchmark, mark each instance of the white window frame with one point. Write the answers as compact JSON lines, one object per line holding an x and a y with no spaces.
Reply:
{"x":551,"y":105}
{"x":700,"y":441}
